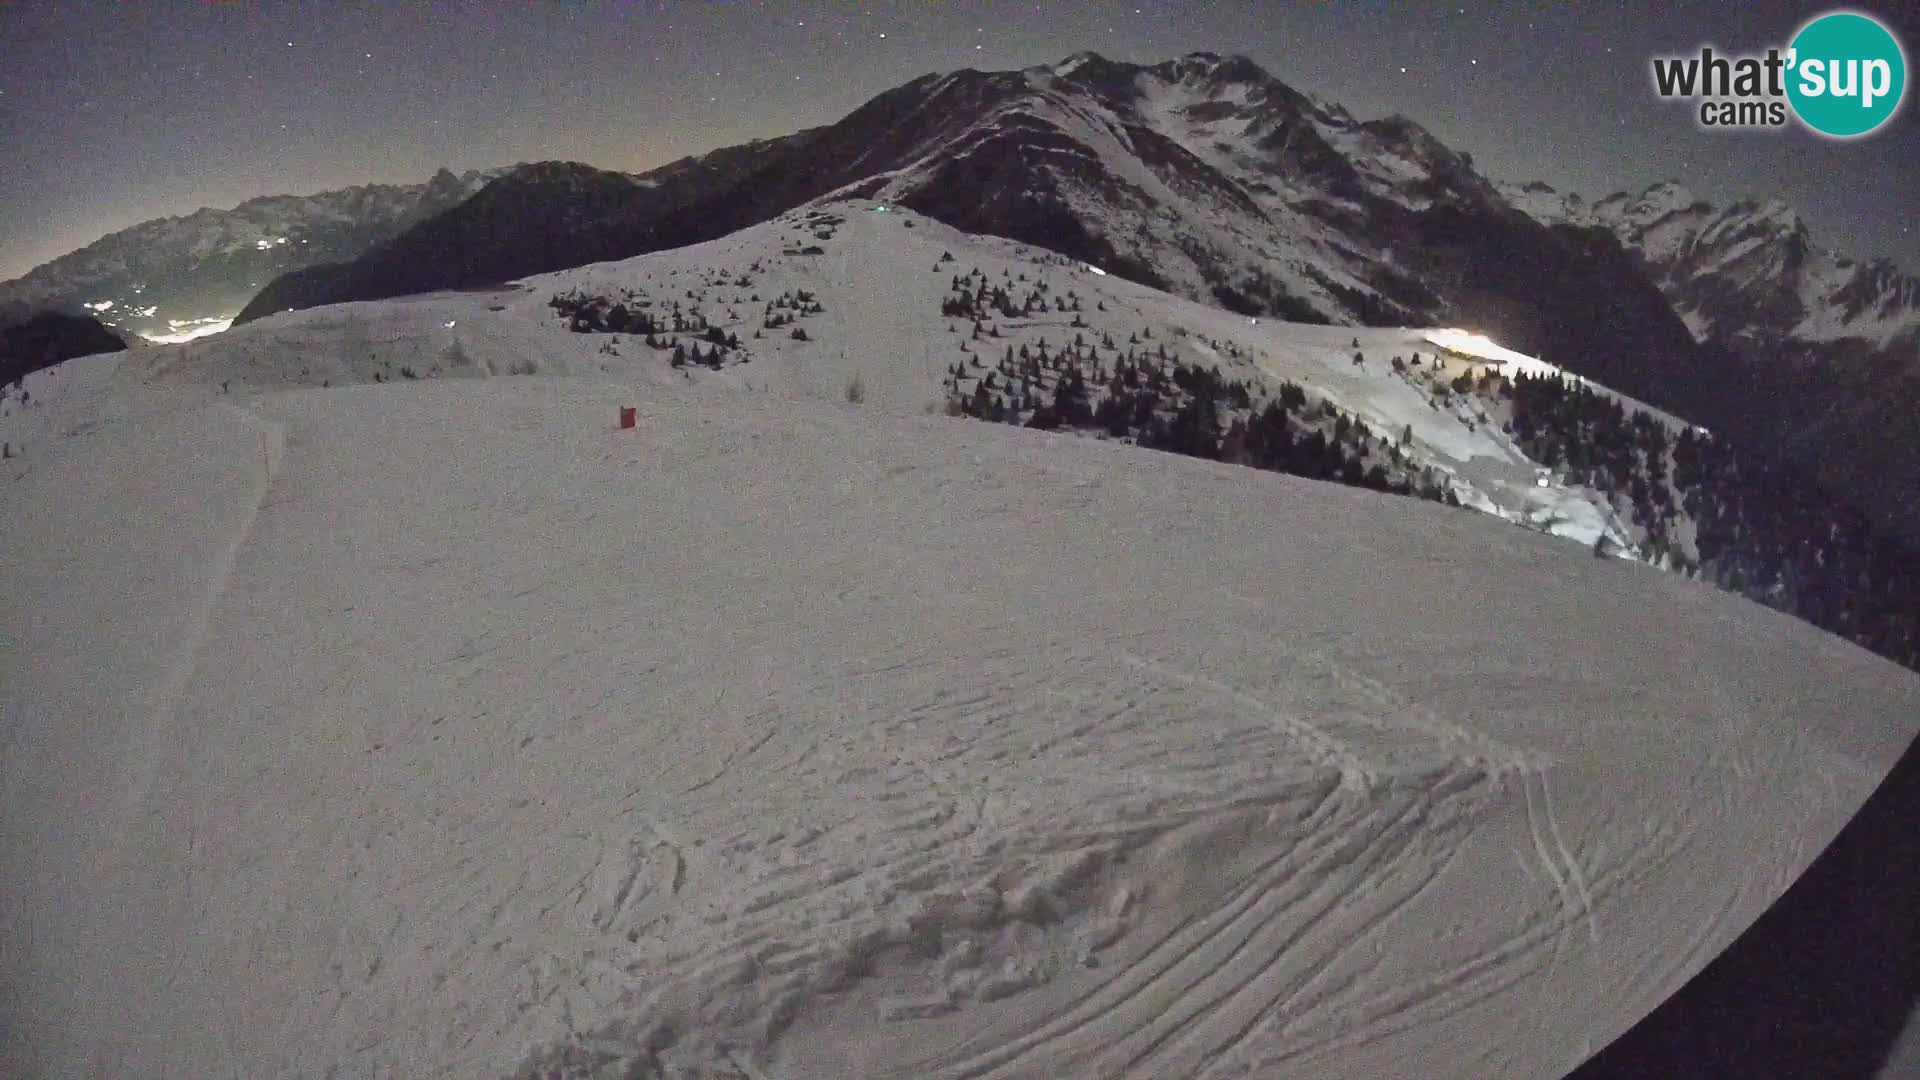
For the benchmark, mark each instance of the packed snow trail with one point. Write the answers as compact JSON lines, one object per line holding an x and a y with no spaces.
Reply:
{"x":778,"y":738}
{"x":106,"y":615}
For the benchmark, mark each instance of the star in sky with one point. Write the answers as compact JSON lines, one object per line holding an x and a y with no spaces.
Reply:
{"x":629,"y":87}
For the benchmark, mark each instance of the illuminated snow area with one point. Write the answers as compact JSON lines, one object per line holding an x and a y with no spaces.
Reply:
{"x":1481,"y":347}
{"x":190,"y":330}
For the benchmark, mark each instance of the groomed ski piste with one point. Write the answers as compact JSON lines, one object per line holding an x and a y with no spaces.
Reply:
{"x":436,"y":726}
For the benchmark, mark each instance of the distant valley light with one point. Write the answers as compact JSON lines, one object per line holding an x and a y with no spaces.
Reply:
{"x":182,"y":330}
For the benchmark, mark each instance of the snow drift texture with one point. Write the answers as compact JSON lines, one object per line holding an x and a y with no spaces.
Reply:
{"x":443,"y":724}
{"x":442,"y":729}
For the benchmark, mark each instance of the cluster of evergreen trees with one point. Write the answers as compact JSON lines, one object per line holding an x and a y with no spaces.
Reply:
{"x":821,"y":224}
{"x":683,"y":332}
{"x":1597,"y":442}
{"x":973,"y":296}
{"x":788,"y":307}
{"x":1142,"y":394}
{"x":711,"y":355}
{"x":1257,"y":293}
{"x":1762,"y":528}
{"x":586,"y":314}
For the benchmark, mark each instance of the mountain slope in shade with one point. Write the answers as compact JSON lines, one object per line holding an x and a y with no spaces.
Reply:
{"x":1810,"y":349}
{"x":543,"y":217}
{"x":48,"y":339}
{"x":171,"y":276}
{"x":1204,"y":175}
{"x":1749,"y":273}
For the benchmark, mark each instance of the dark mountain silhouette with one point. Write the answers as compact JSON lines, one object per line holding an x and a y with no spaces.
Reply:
{"x":49,"y":338}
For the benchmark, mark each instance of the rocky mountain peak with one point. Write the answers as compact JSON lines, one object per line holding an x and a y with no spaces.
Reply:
{"x":172,"y":275}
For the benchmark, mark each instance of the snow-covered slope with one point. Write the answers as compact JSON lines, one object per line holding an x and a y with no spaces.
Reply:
{"x":1815,"y":353}
{"x":177,"y":276}
{"x":880,"y":279}
{"x":1204,"y":175}
{"x":1905,"y":1058}
{"x":439,"y":727}
{"x":1459,"y":434}
{"x":772,"y":739}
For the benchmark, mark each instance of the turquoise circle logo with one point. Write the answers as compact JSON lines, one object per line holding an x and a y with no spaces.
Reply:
{"x":1847,"y":74}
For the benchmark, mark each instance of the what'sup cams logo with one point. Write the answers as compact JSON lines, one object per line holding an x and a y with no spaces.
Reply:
{"x":1843,"y":75}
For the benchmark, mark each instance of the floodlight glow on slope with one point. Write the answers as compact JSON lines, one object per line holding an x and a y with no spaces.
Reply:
{"x":1480,"y":347}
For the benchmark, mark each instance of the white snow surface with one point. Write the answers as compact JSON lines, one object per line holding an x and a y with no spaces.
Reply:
{"x":441,"y":728}
{"x":1486,"y":470}
{"x":1904,"y":1059}
{"x":1481,"y":347}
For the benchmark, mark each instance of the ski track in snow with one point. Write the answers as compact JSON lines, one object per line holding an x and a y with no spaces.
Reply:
{"x":778,"y":738}
{"x":145,"y":757}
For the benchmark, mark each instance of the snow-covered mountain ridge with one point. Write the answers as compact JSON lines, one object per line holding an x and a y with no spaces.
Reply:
{"x":1209,"y":177}
{"x":858,"y":290}
{"x":883,"y":275}
{"x":1204,"y":175}
{"x":172,"y":276}
{"x":1746,"y":273}
{"x":885,"y":278}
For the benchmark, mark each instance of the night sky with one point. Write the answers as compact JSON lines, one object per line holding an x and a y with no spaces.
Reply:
{"x":110,"y":115}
